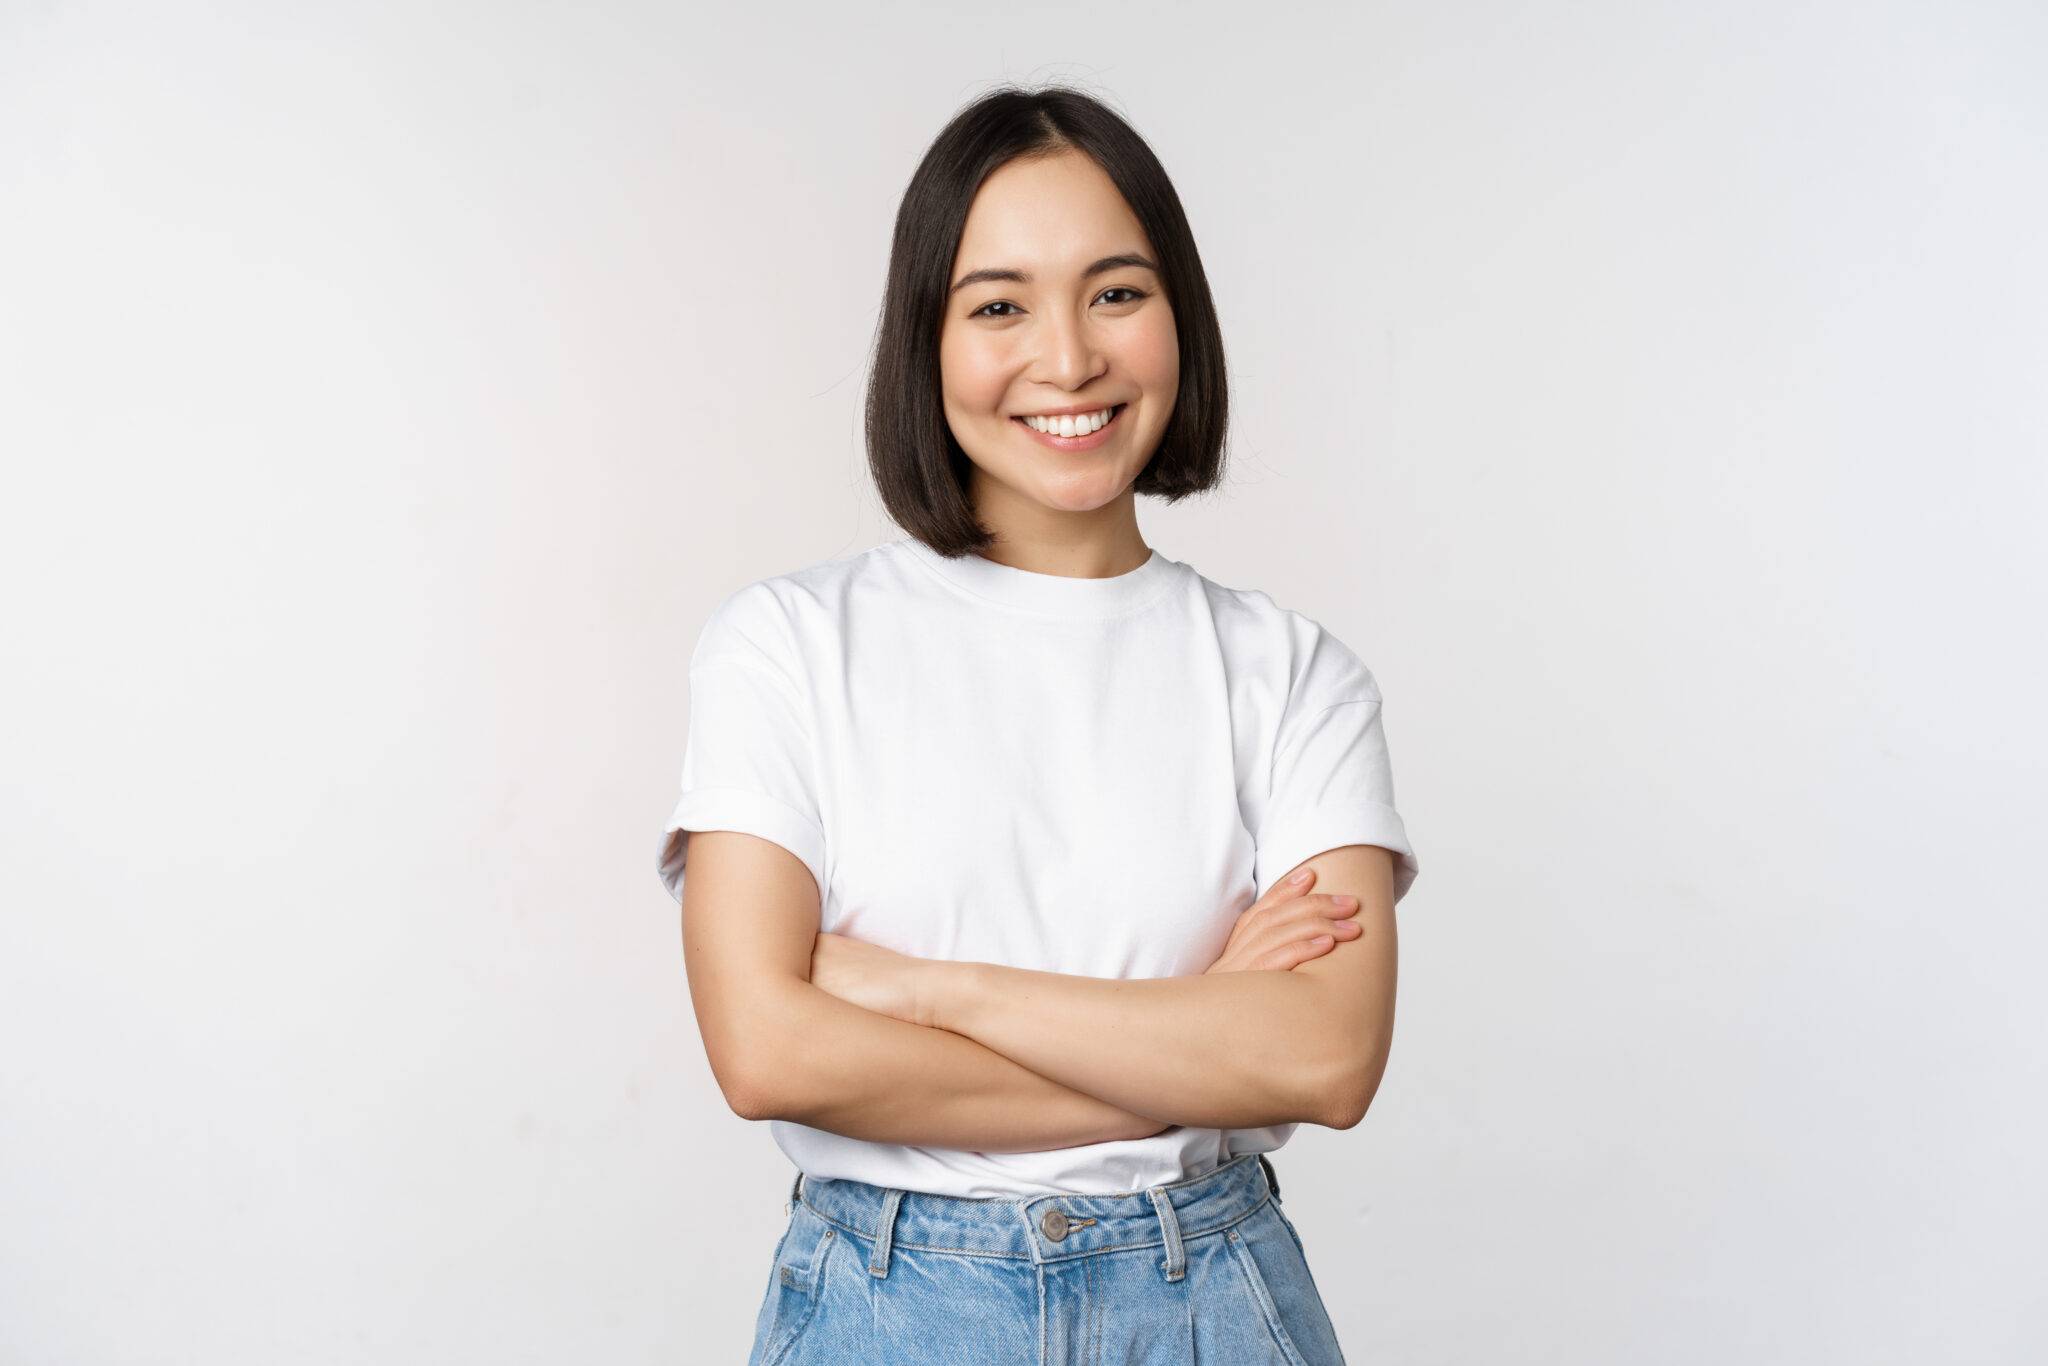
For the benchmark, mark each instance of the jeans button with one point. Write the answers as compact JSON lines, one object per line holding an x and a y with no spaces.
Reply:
{"x":1054,"y":1222}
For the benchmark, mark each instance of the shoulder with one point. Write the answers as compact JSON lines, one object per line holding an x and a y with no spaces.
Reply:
{"x":1305,"y":657}
{"x":775,"y":617}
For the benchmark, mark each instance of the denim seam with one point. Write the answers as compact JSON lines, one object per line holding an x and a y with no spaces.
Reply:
{"x":812,"y":1293}
{"x":1026,"y":1256}
{"x":1262,"y":1295}
{"x":1100,"y":1195}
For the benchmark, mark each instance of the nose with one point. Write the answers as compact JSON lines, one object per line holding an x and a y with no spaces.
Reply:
{"x":1071,"y":355}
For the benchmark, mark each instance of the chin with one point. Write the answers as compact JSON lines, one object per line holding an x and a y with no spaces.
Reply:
{"x":1083,"y":493}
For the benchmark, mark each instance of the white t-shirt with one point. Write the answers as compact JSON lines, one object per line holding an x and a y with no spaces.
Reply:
{"x":981,"y":763}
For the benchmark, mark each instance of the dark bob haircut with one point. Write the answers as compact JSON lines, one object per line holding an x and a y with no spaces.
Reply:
{"x":917,"y":464}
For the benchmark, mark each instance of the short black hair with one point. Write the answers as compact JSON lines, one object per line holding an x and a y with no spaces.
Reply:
{"x":918,"y":466}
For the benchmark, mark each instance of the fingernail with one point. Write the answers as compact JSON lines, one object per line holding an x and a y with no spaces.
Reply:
{"x":1301,"y":876}
{"x":1345,"y":900}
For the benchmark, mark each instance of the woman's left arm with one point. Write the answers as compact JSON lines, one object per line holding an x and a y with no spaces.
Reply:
{"x":1229,"y":1050}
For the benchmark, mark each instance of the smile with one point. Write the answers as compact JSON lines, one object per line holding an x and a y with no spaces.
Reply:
{"x":1083,"y":440}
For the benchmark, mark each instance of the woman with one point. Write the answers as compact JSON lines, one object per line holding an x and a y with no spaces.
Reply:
{"x":989,"y":907}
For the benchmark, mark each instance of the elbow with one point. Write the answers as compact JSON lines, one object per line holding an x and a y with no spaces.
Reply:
{"x":776,"y":1081}
{"x":753,"y":1092}
{"x":749,"y":1103}
{"x":752,"y":1077}
{"x":1345,"y":1089}
{"x":741,"y":1085}
{"x":749,"y":1044}
{"x":1346,"y":1107}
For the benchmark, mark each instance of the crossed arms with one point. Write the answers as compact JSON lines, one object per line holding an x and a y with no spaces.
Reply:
{"x":1002,"y":1059}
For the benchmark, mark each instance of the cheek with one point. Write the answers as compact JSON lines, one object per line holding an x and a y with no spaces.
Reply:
{"x":1153,"y":357}
{"x":973,"y":376}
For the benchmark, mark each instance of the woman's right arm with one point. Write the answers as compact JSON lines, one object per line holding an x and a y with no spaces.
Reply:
{"x":781,"y":1048}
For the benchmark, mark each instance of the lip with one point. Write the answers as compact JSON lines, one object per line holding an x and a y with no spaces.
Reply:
{"x":1075,"y":411}
{"x":1074,"y":443}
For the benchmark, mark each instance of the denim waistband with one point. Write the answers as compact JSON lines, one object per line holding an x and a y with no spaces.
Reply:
{"x":1044,"y":1228}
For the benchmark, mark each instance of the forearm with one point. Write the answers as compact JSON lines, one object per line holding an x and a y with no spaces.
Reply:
{"x":820,"y":1061}
{"x":1230,"y":1050}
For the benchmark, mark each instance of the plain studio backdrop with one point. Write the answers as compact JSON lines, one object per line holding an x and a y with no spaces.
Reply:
{"x":1651,"y":394}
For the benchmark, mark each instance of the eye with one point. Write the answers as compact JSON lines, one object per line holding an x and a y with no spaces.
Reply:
{"x":983,"y":311}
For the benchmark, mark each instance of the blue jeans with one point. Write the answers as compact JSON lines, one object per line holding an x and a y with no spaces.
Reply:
{"x":1204,"y":1270}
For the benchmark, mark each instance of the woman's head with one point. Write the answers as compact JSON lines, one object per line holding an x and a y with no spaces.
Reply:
{"x":1041,"y":262}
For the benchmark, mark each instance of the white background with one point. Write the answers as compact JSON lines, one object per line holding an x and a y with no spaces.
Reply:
{"x":1651,"y":392}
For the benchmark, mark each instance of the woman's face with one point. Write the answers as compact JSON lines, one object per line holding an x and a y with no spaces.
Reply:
{"x":1076,"y":319}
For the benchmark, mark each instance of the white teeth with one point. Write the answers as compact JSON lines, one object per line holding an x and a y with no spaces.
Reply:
{"x":1071,"y":424}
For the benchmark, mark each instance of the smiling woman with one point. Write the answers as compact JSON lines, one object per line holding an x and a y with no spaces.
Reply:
{"x":1042,"y":265}
{"x":1039,"y":885}
{"x":1072,"y":323}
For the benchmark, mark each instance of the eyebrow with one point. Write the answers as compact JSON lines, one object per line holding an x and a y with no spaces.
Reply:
{"x":975,"y":277}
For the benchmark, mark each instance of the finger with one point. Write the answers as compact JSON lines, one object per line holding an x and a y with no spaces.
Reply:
{"x":1331,"y":905}
{"x":1270,"y":915}
{"x":1285,"y":891}
{"x":1287,"y":888}
{"x":1306,"y":915}
{"x":1283,"y":936}
{"x":1301,"y":950}
{"x":1336,"y":906}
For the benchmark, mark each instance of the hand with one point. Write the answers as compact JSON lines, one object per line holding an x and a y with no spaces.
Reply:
{"x":1287,"y":927}
{"x":872,"y":977}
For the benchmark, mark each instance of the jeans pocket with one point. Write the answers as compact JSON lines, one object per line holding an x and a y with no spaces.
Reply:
{"x":1292,"y":1232}
{"x":795,"y":1285}
{"x":1261,"y":1288}
{"x":1268,"y":1253}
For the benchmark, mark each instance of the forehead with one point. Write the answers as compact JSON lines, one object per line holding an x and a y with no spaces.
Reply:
{"x":1047,"y":214}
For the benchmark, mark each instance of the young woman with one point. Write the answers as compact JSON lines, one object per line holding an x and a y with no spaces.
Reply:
{"x":991,"y":906}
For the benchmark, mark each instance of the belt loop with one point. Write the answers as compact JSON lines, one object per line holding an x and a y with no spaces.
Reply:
{"x":1176,"y":1263}
{"x":1271,"y":1179}
{"x":878,"y":1262}
{"x":796,"y":1193}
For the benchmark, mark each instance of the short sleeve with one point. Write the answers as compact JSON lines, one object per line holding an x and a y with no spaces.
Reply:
{"x":748,"y":760}
{"x":1332,"y":785}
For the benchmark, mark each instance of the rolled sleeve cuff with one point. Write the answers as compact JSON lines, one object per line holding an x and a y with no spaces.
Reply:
{"x":1290,"y":838}
{"x":750,"y":813}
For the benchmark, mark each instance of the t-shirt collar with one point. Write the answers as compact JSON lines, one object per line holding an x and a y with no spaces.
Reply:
{"x":1049,"y":594}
